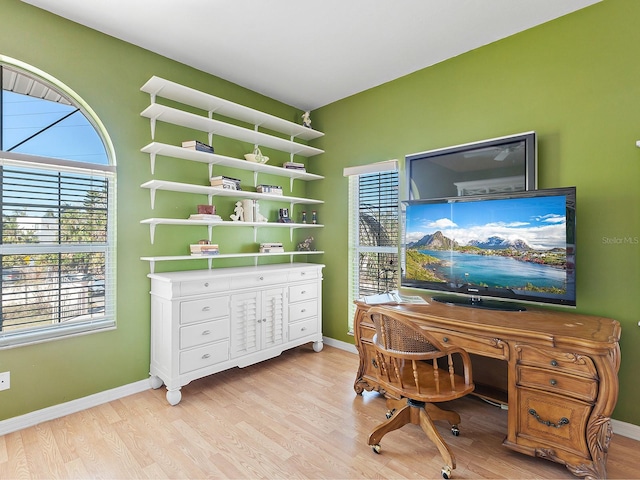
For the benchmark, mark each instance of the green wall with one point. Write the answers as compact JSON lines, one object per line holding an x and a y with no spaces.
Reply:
{"x":108,"y":74}
{"x":575,"y":81}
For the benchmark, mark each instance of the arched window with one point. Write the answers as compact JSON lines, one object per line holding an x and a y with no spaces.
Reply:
{"x":57,"y":194}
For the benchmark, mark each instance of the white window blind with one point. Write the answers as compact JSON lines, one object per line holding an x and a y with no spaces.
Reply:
{"x":373,"y":231}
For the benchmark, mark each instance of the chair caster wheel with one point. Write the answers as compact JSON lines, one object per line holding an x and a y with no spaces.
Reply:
{"x":390,"y":413}
{"x":446,"y":472}
{"x":376,"y":448}
{"x":455,"y":431}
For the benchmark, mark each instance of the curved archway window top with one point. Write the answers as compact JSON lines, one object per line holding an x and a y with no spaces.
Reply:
{"x":57,"y":195}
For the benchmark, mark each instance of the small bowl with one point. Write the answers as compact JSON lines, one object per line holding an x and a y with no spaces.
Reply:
{"x":252,"y":157}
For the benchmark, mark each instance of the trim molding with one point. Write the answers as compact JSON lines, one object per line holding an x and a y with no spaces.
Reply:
{"x":50,"y":413}
{"x":56,"y":411}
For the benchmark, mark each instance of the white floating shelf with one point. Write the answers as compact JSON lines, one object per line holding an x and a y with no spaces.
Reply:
{"x":210,"y":258}
{"x":154,"y":185}
{"x":160,"y":87}
{"x":180,"y":221}
{"x":157,"y":148}
{"x":174,"y":116}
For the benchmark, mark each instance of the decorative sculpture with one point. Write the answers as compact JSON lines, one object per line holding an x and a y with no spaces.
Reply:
{"x":239,"y":213}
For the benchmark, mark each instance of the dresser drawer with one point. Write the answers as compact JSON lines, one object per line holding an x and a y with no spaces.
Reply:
{"x":558,"y":382}
{"x":306,"y":291}
{"x":552,"y":420}
{"x":303,"y":328}
{"x":202,"y":333}
{"x":298,"y":311}
{"x":205,"y":356}
{"x":204,"y":309}
{"x":199,"y":287}
{"x":259,"y":279}
{"x":307,"y":274}
{"x":557,"y":360}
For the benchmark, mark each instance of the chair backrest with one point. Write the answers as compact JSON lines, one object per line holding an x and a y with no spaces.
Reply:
{"x":407,"y":360}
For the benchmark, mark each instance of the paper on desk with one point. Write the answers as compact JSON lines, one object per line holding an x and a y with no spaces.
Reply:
{"x":393,"y":297}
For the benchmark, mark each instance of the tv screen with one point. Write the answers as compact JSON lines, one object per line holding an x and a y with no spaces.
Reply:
{"x":505,"y":164}
{"x":513,"y":246}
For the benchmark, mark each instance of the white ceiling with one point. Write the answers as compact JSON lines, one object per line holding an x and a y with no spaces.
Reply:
{"x":310,"y":53}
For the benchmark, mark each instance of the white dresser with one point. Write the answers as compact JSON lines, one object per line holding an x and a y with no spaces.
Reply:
{"x":207,"y":321}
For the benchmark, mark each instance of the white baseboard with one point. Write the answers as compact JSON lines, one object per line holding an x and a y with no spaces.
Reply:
{"x":347,"y":347}
{"x":50,"y":413}
{"x":56,"y":411}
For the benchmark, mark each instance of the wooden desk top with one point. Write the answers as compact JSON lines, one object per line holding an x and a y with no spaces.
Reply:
{"x":550,"y":327}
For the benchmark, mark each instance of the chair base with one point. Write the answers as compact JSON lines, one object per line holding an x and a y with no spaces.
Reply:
{"x":418,"y":413}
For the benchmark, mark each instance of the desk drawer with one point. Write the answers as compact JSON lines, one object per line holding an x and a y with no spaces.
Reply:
{"x":197,"y":310}
{"x":490,"y":347}
{"x":552,"y":420}
{"x":298,"y":311}
{"x":558,"y":382}
{"x":557,"y":360}
{"x":202,"y":333}
{"x":204,"y":356}
{"x":305,"y":291}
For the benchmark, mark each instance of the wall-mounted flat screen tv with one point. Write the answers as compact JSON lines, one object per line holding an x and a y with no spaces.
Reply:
{"x":505,"y":164}
{"x":518,"y":246}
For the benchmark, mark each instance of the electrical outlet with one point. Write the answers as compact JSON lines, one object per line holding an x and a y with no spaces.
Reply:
{"x":5,"y":380}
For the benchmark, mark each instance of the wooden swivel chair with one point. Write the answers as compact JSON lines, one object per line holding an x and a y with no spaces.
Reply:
{"x":408,"y":370}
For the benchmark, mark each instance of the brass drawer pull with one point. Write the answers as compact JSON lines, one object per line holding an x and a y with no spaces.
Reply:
{"x":548,"y":423}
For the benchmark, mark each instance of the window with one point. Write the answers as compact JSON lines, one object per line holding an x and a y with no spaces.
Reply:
{"x":373,"y":230}
{"x":57,"y":194}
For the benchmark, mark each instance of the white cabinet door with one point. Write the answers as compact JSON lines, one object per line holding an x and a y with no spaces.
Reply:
{"x":245,"y":323}
{"x":273,"y":317}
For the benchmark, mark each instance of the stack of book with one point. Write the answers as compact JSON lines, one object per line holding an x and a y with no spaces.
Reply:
{"x":196,"y":145}
{"x":294,"y":166}
{"x":205,"y":216}
{"x":203,"y":250}
{"x":228,"y":183}
{"x":271,"y":248}
{"x":271,"y":189}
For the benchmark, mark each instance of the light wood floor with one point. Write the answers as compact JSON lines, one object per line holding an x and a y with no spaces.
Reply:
{"x":295,"y":416}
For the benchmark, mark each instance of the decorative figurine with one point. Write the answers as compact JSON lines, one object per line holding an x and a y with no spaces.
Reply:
{"x":306,"y":245}
{"x":306,"y":119}
{"x":304,"y":217}
{"x":239,"y":213}
{"x":314,"y":217}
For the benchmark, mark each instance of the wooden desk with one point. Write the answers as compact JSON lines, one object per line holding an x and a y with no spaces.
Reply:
{"x":562,"y":374}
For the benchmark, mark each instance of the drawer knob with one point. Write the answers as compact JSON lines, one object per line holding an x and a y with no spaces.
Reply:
{"x":261,"y":278}
{"x":303,"y":329}
{"x":206,"y":332}
{"x":303,"y":310}
{"x":549,"y":423}
{"x":206,"y":309}
{"x":206,"y":284}
{"x":553,"y":382}
{"x":445,"y":339}
{"x":302,"y":274}
{"x":205,"y":356}
{"x":554,"y":363}
{"x":303,"y":292}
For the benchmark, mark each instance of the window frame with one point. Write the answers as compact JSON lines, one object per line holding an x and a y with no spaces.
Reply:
{"x":384,"y":170}
{"x":106,"y":321}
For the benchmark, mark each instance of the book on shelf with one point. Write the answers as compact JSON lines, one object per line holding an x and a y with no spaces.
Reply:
{"x":271,"y":189}
{"x":293,"y":165}
{"x":274,"y":247}
{"x":197,"y":145}
{"x":199,"y":249}
{"x":229,"y":183}
{"x":205,"y":216}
